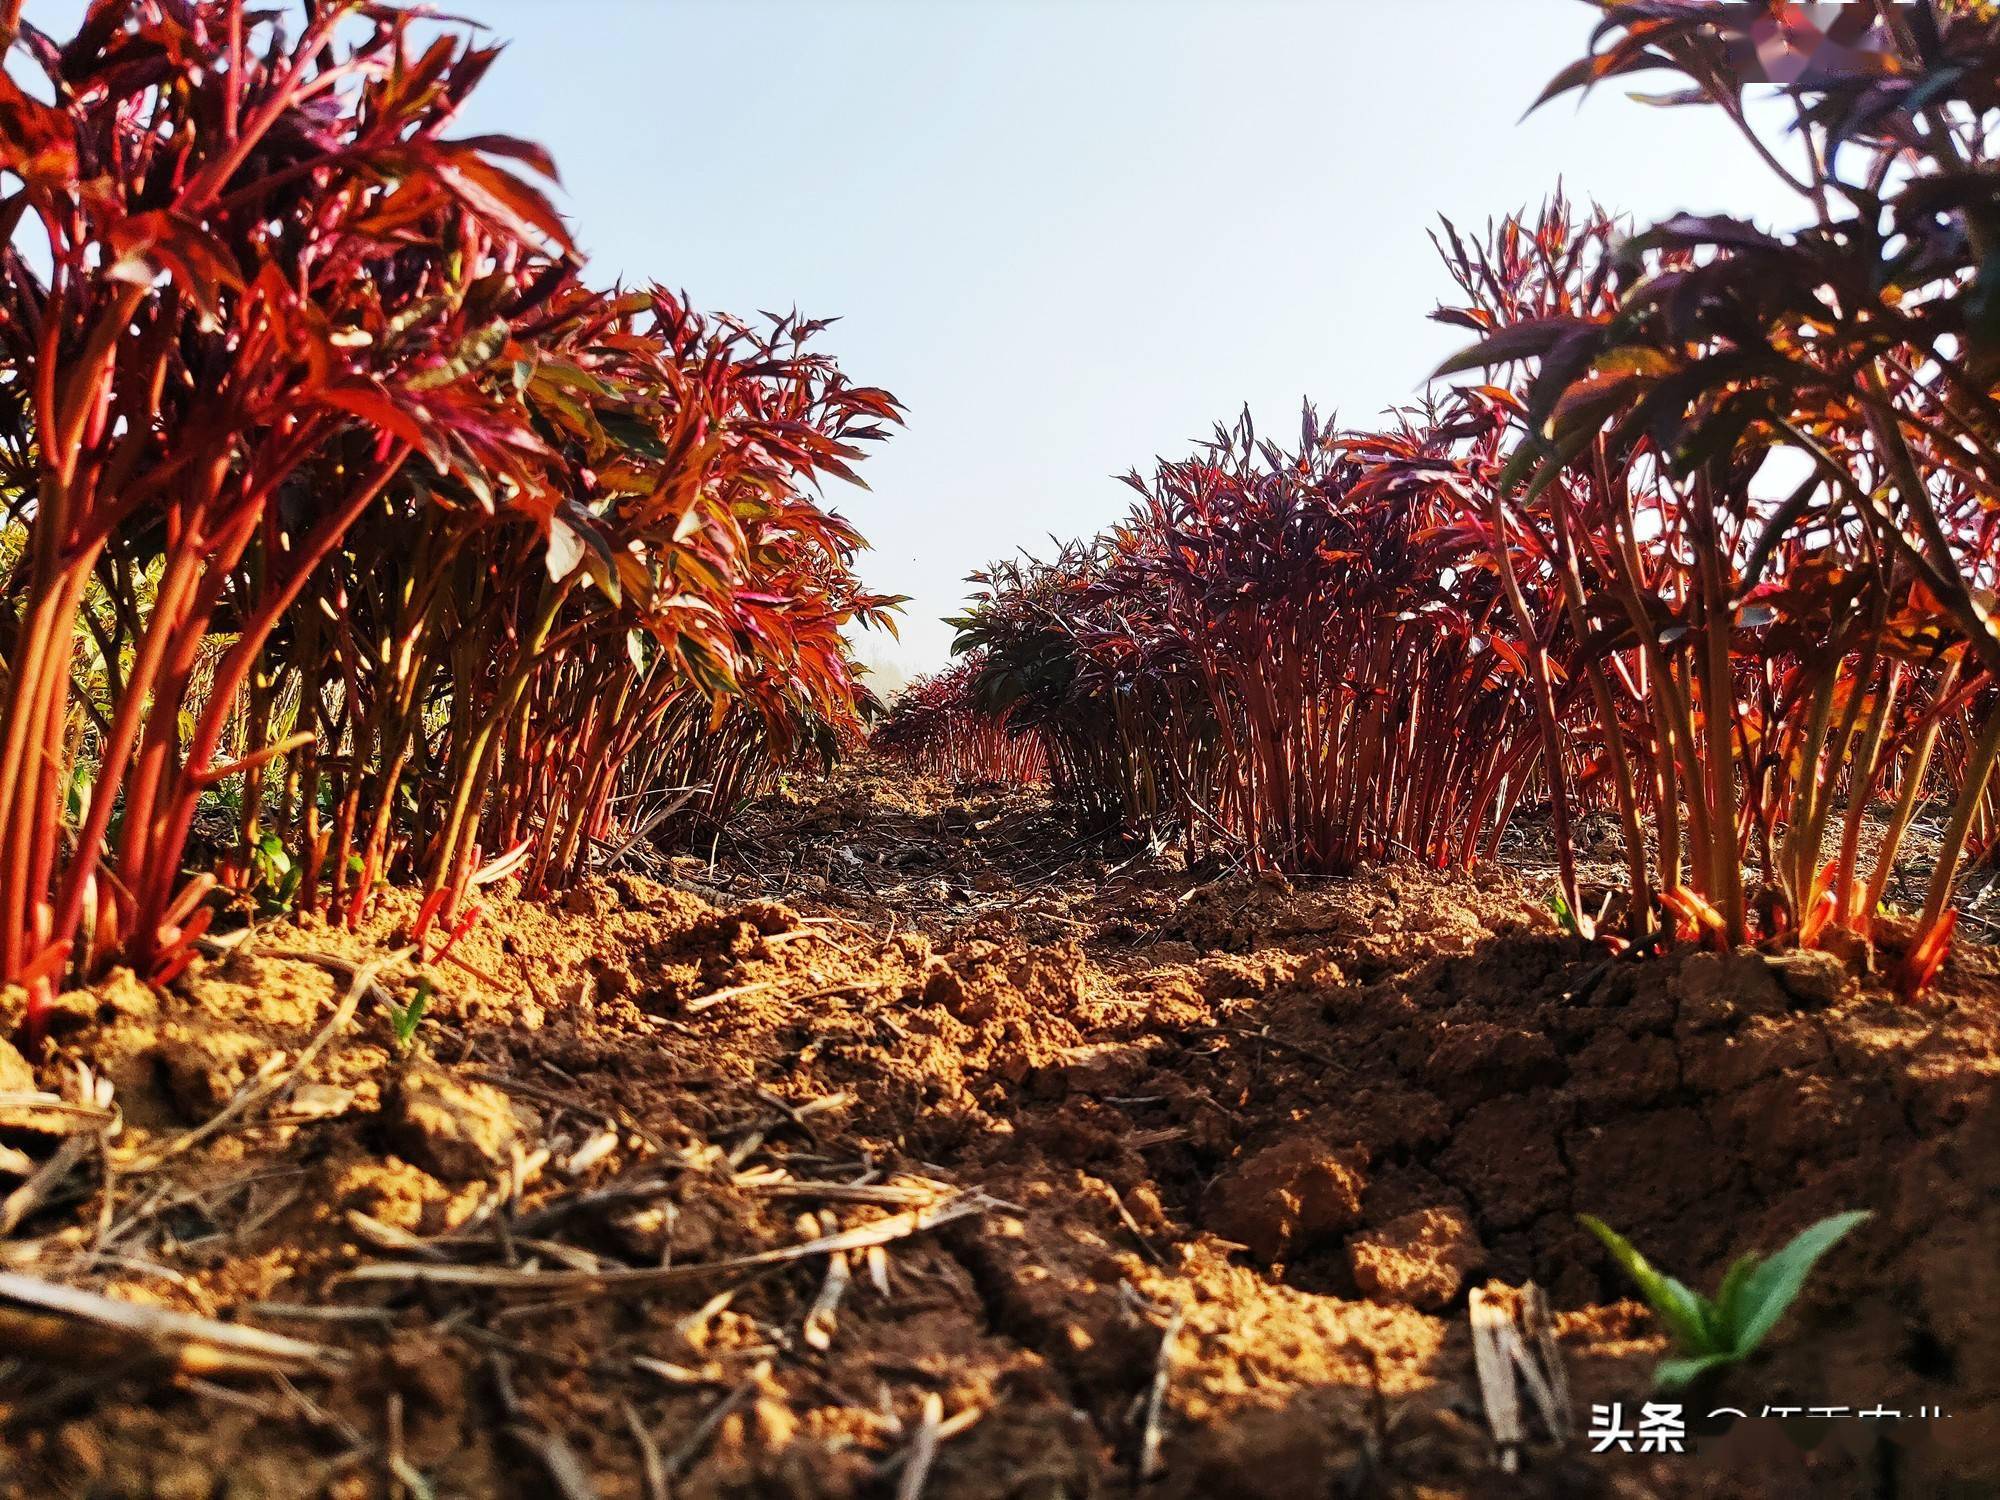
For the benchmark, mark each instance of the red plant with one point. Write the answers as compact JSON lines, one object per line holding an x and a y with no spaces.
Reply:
{"x":1290,"y":651}
{"x":1817,"y":639}
{"x":259,"y":270}
{"x":935,"y":728}
{"x":343,"y":499}
{"x":1714,"y":544}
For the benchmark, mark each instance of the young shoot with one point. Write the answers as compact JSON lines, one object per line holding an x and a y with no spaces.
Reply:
{"x":404,"y":1019}
{"x":1711,"y":1332}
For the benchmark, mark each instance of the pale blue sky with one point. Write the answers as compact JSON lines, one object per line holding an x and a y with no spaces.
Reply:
{"x":1072,"y":235}
{"x":1069,"y":235}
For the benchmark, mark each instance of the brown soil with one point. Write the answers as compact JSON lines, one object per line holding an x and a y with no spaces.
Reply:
{"x":1298,"y":1125}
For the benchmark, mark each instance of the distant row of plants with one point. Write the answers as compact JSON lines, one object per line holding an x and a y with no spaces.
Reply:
{"x":1703,"y":530}
{"x":350,"y":534}
{"x":936,"y":729}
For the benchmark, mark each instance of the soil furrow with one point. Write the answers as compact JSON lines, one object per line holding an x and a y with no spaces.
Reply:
{"x":1313,"y":1120}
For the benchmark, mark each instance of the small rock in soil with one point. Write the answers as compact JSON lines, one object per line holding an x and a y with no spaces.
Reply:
{"x":1716,"y":989}
{"x":119,"y":995}
{"x":319,"y":1101}
{"x":943,"y":987}
{"x":768,"y":917}
{"x":1102,"y":1068}
{"x":585,"y":901}
{"x":204,"y":1069}
{"x":1288,"y":1197}
{"x":1810,"y":976}
{"x":455,"y":1130}
{"x":1421,"y":1258}
{"x":693,"y":1231}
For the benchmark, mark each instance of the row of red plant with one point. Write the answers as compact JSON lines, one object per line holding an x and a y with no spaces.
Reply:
{"x":1710,"y":544}
{"x":351,"y":535}
{"x":934,"y":727}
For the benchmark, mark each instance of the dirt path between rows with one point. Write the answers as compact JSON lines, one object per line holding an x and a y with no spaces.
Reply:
{"x":1083,"y":1167}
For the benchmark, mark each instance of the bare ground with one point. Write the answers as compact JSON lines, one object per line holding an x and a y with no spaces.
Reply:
{"x":1191,"y":1176}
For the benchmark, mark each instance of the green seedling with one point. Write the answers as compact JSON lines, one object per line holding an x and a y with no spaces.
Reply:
{"x":1709,"y":1333}
{"x":404,"y":1019}
{"x":1574,"y":923}
{"x":277,"y":877}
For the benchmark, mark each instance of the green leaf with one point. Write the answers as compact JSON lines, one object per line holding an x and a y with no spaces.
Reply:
{"x":632,"y":435}
{"x":403,"y":1019}
{"x":1678,"y":1307}
{"x":1773,"y":1286}
{"x":1568,"y":919}
{"x":271,"y":858}
{"x":1672,"y":1374}
{"x":1726,"y":1311}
